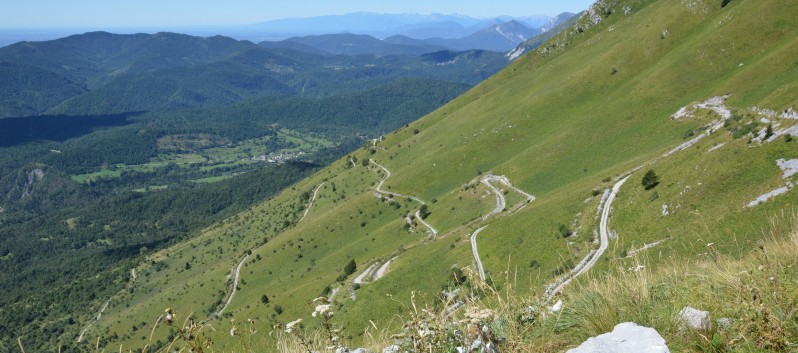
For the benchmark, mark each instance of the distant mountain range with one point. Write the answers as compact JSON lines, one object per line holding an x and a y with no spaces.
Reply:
{"x":101,"y":72}
{"x":386,"y":25}
{"x":433,"y":26}
{"x":438,"y":33}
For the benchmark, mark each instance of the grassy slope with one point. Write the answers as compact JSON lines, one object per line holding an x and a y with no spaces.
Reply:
{"x":556,"y":125}
{"x":755,"y":291}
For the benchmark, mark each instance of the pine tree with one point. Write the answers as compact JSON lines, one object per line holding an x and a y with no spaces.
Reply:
{"x":650,"y":180}
{"x":350,"y":268}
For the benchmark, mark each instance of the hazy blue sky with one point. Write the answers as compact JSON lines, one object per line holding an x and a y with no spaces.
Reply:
{"x":127,"y":13}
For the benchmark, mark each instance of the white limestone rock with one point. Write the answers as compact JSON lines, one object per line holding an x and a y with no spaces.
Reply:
{"x":391,"y":349}
{"x":694,"y":319}
{"x":627,"y":337}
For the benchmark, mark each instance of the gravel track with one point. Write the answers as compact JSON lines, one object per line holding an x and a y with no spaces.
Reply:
{"x":431,"y":229}
{"x":592,"y":258}
{"x":381,"y":272}
{"x":369,"y":272}
{"x":310,"y":203}
{"x":233,"y":293}
{"x":480,"y":269}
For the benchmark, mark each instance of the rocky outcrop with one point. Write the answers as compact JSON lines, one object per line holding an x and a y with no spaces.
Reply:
{"x":627,"y":337}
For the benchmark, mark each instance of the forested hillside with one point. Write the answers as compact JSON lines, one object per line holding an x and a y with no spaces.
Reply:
{"x":116,"y":146}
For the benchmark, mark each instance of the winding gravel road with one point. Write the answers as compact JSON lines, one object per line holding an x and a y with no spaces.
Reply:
{"x":501,"y":202}
{"x":480,"y":269}
{"x":381,"y":272}
{"x":367,"y":273}
{"x":429,"y":226}
{"x":233,"y":293}
{"x":373,"y":273}
{"x":603,"y":243}
{"x":431,"y":229}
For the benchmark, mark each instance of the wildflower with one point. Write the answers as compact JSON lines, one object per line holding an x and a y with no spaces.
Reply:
{"x":425,"y":332}
{"x":252,"y":326}
{"x":323,"y":310}
{"x":290,"y":326}
{"x":169,"y":318}
{"x":233,"y":332}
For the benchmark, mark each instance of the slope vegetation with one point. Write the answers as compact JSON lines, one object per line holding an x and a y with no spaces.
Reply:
{"x":632,"y":86}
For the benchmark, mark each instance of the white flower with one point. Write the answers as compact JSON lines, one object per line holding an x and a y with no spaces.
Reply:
{"x":425,"y":332}
{"x":169,"y":316}
{"x":233,"y":332}
{"x":324,"y":309}
{"x":290,"y":326}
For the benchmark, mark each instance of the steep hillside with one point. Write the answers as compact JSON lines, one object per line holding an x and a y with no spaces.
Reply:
{"x":27,"y":90}
{"x":499,"y":37}
{"x":92,"y":59}
{"x":532,"y":178}
{"x":547,"y":32}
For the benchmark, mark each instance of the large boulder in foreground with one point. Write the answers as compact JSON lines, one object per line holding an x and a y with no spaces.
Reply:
{"x":627,"y":337}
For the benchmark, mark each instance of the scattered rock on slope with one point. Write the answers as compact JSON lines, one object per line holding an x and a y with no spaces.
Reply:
{"x":694,"y":319}
{"x":627,"y":337}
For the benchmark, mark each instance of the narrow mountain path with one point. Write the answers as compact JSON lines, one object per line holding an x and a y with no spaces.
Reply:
{"x":381,"y":272}
{"x":501,"y":202}
{"x":105,"y":306}
{"x":232,"y":293}
{"x":380,"y":191}
{"x":310,"y":203}
{"x":390,"y":193}
{"x":372,"y":273}
{"x":645,"y":247}
{"x":592,"y":258}
{"x":241,"y":263}
{"x":369,"y":272}
{"x":480,"y":269}
{"x":429,"y":226}
{"x":99,"y":315}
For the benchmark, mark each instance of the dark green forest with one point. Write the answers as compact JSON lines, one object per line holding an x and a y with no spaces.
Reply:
{"x":114,"y":146}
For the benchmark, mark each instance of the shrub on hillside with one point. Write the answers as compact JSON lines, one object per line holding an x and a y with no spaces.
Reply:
{"x":565,"y":231}
{"x":349,"y":269}
{"x":650,"y":180}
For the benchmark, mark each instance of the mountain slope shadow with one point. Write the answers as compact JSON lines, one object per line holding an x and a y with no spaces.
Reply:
{"x":22,"y":130}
